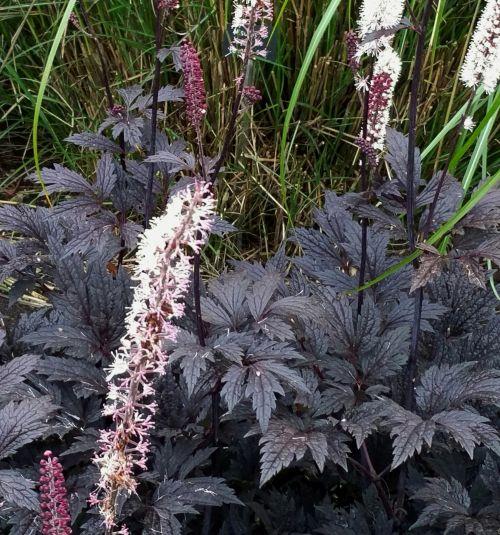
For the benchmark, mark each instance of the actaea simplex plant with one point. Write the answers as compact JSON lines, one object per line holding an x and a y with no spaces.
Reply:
{"x":352,"y":387}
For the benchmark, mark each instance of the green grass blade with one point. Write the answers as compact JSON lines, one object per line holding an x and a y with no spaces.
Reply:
{"x":493,"y":110}
{"x":311,"y":50}
{"x":480,"y":150}
{"x":449,"y":126}
{"x":43,"y":86}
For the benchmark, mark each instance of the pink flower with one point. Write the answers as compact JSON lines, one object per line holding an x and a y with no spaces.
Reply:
{"x":251,"y":95}
{"x":385,"y":76}
{"x":53,"y":497}
{"x":168,"y":4}
{"x":194,"y":87}
{"x":251,"y":21}
{"x":163,"y":274}
{"x":353,"y":42}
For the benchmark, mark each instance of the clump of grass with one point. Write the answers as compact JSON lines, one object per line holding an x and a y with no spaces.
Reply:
{"x":268,"y":189}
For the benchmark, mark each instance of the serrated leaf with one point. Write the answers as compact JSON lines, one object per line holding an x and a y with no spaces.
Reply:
{"x":294,"y":305}
{"x":261,"y":378}
{"x":448,"y":201}
{"x":61,"y":179}
{"x":193,"y":361}
{"x":214,"y":313}
{"x":336,"y":398}
{"x":194,"y":461}
{"x":178,"y":497}
{"x":261,"y":293}
{"x":450,"y":387}
{"x":230,"y":291}
{"x":489,"y":249}
{"x":130,"y":94}
{"x":363,"y":420}
{"x":90,"y":140}
{"x":106,"y":176}
{"x":276,"y":328}
{"x":431,"y":266}
{"x":131,"y":128}
{"x":409,"y":432}
{"x":84,"y":443}
{"x":284,"y":443}
{"x":23,"y":422}
{"x":445,"y":500}
{"x":87,"y":377}
{"x":468,"y":429}
{"x":232,"y":345}
{"x":182,"y":161}
{"x":262,"y":387}
{"x":387,"y":357}
{"x":397,"y":157}
{"x":18,"y":490}
{"x":169,"y":93}
{"x":221,"y":227}
{"x":486,"y":213}
{"x":473,"y":270}
{"x":13,"y":373}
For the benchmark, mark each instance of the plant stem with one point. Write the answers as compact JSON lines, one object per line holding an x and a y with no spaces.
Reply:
{"x":411,"y":367}
{"x":364,"y":186}
{"x":411,"y":199}
{"x":197,"y":257}
{"x":226,"y":145}
{"x":376,"y":481}
{"x":154,"y":114}
{"x":231,"y":128}
{"x":197,"y":299}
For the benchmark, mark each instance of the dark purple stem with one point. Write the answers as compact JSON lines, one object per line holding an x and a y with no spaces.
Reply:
{"x":411,"y":367}
{"x":154,"y":115}
{"x":231,"y":128}
{"x":228,"y":139}
{"x":364,"y":186}
{"x":411,"y":199}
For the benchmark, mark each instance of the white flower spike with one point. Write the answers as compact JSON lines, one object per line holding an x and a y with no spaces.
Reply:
{"x":378,"y":15}
{"x":482,"y":63}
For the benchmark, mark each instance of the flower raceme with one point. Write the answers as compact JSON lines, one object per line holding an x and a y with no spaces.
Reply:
{"x":163,"y":274}
{"x":53,"y":497}
{"x":194,"y":86}
{"x":250,"y":26}
{"x":251,"y":95}
{"x":386,"y":73}
{"x":377,"y":15}
{"x":482,"y":62}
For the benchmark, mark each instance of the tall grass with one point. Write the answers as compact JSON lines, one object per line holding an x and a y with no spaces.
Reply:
{"x":277,"y":179}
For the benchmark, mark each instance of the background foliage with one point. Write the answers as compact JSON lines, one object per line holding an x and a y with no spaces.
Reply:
{"x":325,"y":119}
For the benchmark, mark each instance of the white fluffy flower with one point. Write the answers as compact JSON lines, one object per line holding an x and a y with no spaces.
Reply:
{"x":482,"y":63}
{"x":386,"y":72}
{"x":378,"y":15}
{"x":250,"y":27}
{"x":469,"y":123}
{"x":163,"y":275}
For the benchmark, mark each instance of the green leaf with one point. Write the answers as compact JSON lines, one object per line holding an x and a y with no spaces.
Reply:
{"x":311,"y":50}
{"x":43,"y":86}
